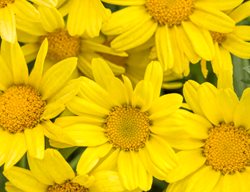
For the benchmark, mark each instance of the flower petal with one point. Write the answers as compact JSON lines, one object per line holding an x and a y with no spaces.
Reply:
{"x":91,"y":156}
{"x":241,"y":114}
{"x":7,"y":24}
{"x":35,"y":141}
{"x":212,"y":19}
{"x":132,"y":172}
{"x":37,"y":71}
{"x":237,"y":46}
{"x":189,"y":161}
{"x":55,"y":77}
{"x":51,"y":18}
{"x":24,"y":180}
{"x":17,"y":148}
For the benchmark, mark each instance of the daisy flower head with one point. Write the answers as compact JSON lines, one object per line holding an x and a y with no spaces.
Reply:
{"x":218,"y":155}
{"x":124,"y":125}
{"x":180,"y":33}
{"x":62,"y":44}
{"x":54,"y":174}
{"x":21,"y":9}
{"x":235,"y":43}
{"x":28,"y":100}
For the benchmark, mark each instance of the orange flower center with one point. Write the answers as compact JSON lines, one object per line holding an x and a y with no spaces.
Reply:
{"x":218,"y":37}
{"x":127,"y":128}
{"x":4,"y":3}
{"x":68,"y":186}
{"x":227,"y":148}
{"x":170,"y":12}
{"x":21,"y":107}
{"x":62,"y":45}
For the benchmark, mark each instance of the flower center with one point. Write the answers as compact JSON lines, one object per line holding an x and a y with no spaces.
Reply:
{"x":68,"y":186}
{"x":170,"y":12}
{"x":127,"y":128}
{"x":4,"y":3}
{"x":21,"y":107}
{"x":227,"y":148}
{"x":62,"y":45}
{"x":218,"y":37}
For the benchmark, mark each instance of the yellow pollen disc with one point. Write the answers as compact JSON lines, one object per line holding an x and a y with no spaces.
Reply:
{"x":127,"y":128}
{"x":62,"y":45}
{"x":227,"y":148}
{"x":68,"y":186}
{"x":170,"y":12}
{"x":21,"y":107}
{"x":218,"y":37}
{"x":4,"y":3}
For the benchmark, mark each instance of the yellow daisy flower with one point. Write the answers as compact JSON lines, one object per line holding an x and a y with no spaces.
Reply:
{"x":27,"y":101}
{"x":54,"y":174}
{"x":61,"y":44}
{"x":11,"y":11}
{"x":217,"y":155}
{"x":126,"y":125}
{"x":234,"y":42}
{"x":180,"y":33}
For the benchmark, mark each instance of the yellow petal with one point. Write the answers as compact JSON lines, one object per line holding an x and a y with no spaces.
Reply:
{"x":154,"y":74}
{"x":143,"y":95}
{"x":189,"y":162}
{"x":17,"y":148}
{"x":48,"y":3}
{"x":37,"y":71}
{"x":33,"y":28}
{"x":81,"y":106}
{"x":7,"y":24}
{"x":119,"y":22}
{"x":56,"y":166}
{"x":212,"y":19}
{"x":221,"y":4}
{"x":127,"y":2}
{"x":5,"y":138}
{"x":201,"y":41}
{"x":107,"y":181}
{"x":135,"y":36}
{"x":199,"y":180}
{"x":165,"y":105}
{"x":211,"y":109}
{"x":85,"y":134}
{"x":5,"y":74}
{"x":91,"y":9}
{"x":161,"y":155}
{"x":228,"y":102}
{"x":232,"y":182}
{"x":237,"y":46}
{"x":190,"y":93}
{"x":24,"y":180}
{"x":51,"y":18}
{"x":90,"y":158}
{"x":241,"y":114}
{"x":55,"y":78}
{"x":35,"y":141}
{"x":241,"y":12}
{"x":17,"y":62}
{"x":132,"y":172}
{"x":25,"y":10}
{"x":10,"y":187}
{"x":242,"y":32}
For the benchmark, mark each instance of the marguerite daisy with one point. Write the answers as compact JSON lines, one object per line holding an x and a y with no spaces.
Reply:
{"x":218,"y":153}
{"x":27,"y":101}
{"x":115,"y":121}
{"x":61,"y":44}
{"x":180,"y":33}
{"x":54,"y":174}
